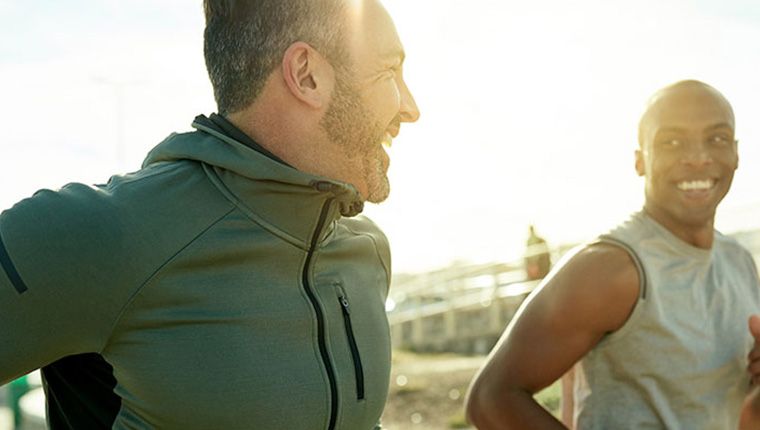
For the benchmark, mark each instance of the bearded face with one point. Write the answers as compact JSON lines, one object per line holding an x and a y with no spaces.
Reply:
{"x":352,"y":125}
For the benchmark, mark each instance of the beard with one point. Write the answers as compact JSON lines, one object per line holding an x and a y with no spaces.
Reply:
{"x":350,"y":124}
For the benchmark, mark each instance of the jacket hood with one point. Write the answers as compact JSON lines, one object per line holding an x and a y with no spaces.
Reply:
{"x":224,"y":153}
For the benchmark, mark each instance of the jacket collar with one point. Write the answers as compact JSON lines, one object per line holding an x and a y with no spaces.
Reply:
{"x":282,"y":199}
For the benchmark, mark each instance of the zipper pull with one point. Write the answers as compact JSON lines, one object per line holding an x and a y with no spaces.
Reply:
{"x":345,"y":305}
{"x":325,"y":186}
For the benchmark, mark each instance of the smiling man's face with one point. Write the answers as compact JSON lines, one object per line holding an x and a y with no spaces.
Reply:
{"x":688,"y":154}
{"x":370,"y":100}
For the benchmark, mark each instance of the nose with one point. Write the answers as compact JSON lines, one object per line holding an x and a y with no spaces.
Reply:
{"x":408,"y":111}
{"x":697,"y":154}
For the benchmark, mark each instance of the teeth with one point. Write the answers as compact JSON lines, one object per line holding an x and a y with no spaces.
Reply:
{"x":387,"y":140}
{"x":696,"y":185}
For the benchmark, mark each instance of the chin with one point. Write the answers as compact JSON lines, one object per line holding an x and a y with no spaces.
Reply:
{"x":379,"y":190}
{"x":694,"y":216}
{"x":376,"y":180}
{"x":378,"y":197}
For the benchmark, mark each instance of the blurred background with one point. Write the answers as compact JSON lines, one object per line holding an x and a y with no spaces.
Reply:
{"x":529,"y":115}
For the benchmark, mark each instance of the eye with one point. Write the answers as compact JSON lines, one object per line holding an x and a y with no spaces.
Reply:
{"x":387,"y":74}
{"x":670,"y":143}
{"x":720,"y":140}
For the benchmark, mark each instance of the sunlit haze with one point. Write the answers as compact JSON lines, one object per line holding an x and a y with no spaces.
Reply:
{"x":529,"y":109}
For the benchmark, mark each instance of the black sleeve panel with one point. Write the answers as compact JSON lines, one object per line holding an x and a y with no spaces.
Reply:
{"x":79,"y":391}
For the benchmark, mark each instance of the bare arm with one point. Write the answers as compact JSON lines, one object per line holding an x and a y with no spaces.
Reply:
{"x":568,"y":399}
{"x":750,"y":414}
{"x":591,"y":294}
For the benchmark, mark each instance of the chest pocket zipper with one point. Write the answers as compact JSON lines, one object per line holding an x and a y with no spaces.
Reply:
{"x":345,"y":306}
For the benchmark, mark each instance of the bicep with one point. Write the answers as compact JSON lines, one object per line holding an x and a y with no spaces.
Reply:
{"x":591,"y":294}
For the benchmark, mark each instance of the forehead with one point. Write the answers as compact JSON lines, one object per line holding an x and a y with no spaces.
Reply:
{"x":692,"y":108}
{"x":373,"y":35}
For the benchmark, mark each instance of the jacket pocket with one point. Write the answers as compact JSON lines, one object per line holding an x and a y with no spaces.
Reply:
{"x":345,"y":307}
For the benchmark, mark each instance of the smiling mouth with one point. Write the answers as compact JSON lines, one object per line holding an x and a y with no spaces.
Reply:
{"x":387,"y":140}
{"x":696,"y":185}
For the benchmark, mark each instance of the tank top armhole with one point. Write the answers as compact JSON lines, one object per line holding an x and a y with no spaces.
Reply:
{"x":635,"y":315}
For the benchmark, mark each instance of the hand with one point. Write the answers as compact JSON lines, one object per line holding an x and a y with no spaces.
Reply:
{"x":754,"y":355}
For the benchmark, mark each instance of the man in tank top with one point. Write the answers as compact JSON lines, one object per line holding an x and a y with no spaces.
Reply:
{"x":653,"y":316}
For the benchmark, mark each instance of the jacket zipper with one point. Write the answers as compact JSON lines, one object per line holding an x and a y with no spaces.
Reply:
{"x":320,"y":317}
{"x":358,"y":369}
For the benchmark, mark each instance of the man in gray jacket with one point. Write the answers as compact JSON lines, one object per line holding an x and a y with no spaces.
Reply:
{"x":229,"y":283}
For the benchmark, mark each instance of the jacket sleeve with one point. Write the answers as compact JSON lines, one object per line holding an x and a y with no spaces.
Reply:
{"x":53,"y":301}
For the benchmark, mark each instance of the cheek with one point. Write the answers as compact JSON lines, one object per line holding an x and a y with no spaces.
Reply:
{"x":662,"y":162}
{"x":386,"y":98}
{"x":658,"y":172}
{"x":396,"y":95}
{"x":735,"y":162}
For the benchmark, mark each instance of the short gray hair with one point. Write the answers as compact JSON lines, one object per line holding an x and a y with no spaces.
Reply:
{"x":244,"y":42}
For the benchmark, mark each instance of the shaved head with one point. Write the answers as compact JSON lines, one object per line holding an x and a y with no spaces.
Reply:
{"x":687,"y":155}
{"x":676,"y":95}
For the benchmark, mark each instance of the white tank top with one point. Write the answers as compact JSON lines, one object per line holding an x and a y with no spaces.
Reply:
{"x":679,"y":362}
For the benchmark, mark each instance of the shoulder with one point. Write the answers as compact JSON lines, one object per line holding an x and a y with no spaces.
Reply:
{"x":77,"y":211}
{"x":732,"y":251}
{"x":363,"y":226}
{"x":599,"y":279}
{"x":728,"y":244}
{"x":56,"y":235}
{"x":601,"y":265}
{"x":69,"y":212}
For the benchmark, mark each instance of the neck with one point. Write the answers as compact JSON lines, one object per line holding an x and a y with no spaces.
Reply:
{"x":296,"y":139}
{"x":698,"y":233}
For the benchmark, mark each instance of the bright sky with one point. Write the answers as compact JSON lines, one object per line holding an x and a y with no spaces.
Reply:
{"x":529,"y":108}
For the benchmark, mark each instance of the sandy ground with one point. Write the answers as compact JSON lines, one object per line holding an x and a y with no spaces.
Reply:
{"x":427,"y":391}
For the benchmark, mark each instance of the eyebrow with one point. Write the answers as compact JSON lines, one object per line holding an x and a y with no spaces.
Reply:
{"x":719,"y":126}
{"x":670,"y":130}
{"x":395,"y":55}
{"x":683,"y":130}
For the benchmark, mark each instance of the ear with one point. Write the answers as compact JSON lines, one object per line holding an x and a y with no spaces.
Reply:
{"x":736,"y":149}
{"x":640,"y":162}
{"x":307,"y":74}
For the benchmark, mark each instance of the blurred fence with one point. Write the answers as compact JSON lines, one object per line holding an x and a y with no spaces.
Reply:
{"x":465,"y":308}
